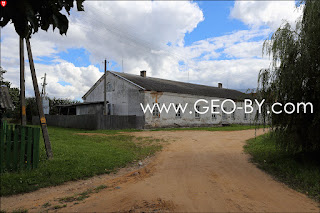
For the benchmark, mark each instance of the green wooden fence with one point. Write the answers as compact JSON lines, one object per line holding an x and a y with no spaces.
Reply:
{"x":19,"y":147}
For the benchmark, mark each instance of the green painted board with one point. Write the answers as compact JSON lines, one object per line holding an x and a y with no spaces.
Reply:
{"x":15,"y":147}
{"x":36,"y":134}
{"x":2,"y":141}
{"x":29,"y":146}
{"x":22,"y":147}
{"x":8,"y":146}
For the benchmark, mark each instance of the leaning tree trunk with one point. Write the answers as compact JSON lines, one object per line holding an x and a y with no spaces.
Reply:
{"x":22,"y":85}
{"x":39,"y":103}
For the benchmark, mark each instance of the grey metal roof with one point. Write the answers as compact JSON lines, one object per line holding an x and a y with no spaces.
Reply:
{"x":5,"y":98}
{"x":163,"y":85}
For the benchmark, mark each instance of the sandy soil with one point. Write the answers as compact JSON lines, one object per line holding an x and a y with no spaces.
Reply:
{"x":199,"y":171}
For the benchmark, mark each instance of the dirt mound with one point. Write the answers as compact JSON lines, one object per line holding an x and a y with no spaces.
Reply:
{"x":158,"y":205}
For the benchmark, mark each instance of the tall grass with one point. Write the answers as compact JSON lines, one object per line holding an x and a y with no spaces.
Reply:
{"x":301,"y":170}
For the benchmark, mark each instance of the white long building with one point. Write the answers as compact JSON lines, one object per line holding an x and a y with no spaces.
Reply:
{"x":125,"y":93}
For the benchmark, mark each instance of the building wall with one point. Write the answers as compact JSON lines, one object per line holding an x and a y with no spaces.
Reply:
{"x":89,"y":109}
{"x":124,"y":98}
{"x":187,"y":119}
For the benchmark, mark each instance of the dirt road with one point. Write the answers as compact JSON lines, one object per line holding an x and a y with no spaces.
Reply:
{"x":199,"y":171}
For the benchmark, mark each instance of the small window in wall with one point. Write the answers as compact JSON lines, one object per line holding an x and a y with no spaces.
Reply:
{"x":245,"y":117}
{"x":178,"y":114}
{"x":224,"y":115}
{"x":155,"y":111}
{"x":109,"y":87}
{"x":196,"y":114}
{"x":109,"y":108}
{"x":233,"y":114}
{"x":214,"y":116}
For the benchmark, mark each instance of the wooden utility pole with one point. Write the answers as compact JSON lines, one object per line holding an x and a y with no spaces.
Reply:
{"x":105,"y":88}
{"x":44,"y":84}
{"x":39,"y":103}
{"x":22,"y":85}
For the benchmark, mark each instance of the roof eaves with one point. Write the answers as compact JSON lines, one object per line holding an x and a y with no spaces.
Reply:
{"x":128,"y":80}
{"x":80,"y":104}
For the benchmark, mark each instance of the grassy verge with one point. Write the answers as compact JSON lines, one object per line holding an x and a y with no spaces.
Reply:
{"x":301,"y":171}
{"x":78,"y":157}
{"x":232,"y":127}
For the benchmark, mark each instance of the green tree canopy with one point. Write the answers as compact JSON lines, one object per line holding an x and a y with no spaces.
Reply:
{"x":294,"y":76}
{"x":28,"y":15}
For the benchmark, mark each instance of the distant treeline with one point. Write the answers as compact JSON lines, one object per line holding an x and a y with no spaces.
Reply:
{"x":31,"y":105}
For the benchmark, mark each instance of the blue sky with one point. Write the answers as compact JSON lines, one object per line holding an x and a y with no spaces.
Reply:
{"x":203,"y":42}
{"x":216,"y":23}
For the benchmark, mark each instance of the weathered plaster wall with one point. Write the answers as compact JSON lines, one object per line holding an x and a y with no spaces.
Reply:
{"x":124,"y":97}
{"x":89,"y":109}
{"x":189,"y":119}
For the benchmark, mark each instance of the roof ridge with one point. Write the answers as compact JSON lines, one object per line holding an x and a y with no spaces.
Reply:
{"x":172,"y":86}
{"x":113,"y":72}
{"x":135,"y":75}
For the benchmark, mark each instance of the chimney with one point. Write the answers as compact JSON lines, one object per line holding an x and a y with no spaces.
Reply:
{"x":219,"y":85}
{"x":143,"y":73}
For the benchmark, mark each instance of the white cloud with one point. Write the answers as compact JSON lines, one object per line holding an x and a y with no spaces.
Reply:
{"x":245,"y":49}
{"x":266,"y":13}
{"x":79,"y":78}
{"x":234,"y":59}
{"x":107,"y":29}
{"x":139,"y":33}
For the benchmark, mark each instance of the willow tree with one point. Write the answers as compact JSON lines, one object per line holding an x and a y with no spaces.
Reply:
{"x":27,"y":17}
{"x":294,"y":76}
